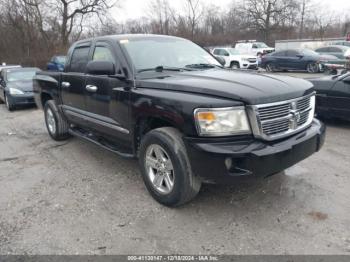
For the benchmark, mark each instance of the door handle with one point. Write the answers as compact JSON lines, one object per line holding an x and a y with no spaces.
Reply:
{"x":65,"y":84}
{"x":91,"y":88}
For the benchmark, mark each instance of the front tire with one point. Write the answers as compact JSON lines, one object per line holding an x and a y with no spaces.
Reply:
{"x":10,"y":107}
{"x":234,"y":65}
{"x":312,"y":68}
{"x":56,"y":124}
{"x":270,"y":68}
{"x":166,"y":169}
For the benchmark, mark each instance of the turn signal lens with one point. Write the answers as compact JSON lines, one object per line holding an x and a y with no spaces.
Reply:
{"x":206,"y":116}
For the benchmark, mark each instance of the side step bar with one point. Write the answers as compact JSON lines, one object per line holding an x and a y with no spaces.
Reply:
{"x":99,"y":142}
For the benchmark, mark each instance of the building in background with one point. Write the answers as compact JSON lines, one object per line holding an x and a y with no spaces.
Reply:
{"x":309,"y":43}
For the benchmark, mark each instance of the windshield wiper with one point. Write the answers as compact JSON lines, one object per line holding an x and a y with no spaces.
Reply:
{"x":202,"y":66}
{"x":164,"y":68}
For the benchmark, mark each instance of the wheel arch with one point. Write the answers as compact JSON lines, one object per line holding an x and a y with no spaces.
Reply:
{"x":44,"y":97}
{"x":145,"y":124}
{"x":235,"y":62}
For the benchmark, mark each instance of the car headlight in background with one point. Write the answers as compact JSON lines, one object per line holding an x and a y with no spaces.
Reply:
{"x":14,"y":91}
{"x":221,"y":121}
{"x":245,"y":59}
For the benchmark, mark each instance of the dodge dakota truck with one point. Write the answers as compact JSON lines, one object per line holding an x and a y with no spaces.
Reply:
{"x":170,"y":104}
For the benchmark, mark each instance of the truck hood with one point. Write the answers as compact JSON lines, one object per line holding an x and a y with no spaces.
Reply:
{"x":250,"y":88}
{"x":25,"y":86}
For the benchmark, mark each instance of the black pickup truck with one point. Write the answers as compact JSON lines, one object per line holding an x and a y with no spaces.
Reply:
{"x":169,"y":103}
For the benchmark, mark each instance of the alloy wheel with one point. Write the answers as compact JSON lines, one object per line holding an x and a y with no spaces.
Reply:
{"x":269,"y":68}
{"x":7,"y":103}
{"x":50,"y":119}
{"x":159,"y":168}
{"x":312,"y":68}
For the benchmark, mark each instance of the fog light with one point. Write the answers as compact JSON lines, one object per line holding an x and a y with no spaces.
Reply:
{"x":228,"y":163}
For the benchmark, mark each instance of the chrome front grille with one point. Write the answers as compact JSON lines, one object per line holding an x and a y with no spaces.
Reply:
{"x":252,"y":60}
{"x":277,"y":120}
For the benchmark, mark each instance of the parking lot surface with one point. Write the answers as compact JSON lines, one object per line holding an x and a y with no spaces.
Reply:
{"x":76,"y":198}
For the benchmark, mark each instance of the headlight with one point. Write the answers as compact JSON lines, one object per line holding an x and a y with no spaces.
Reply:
{"x":221,"y":121}
{"x":14,"y":91}
{"x":245,"y":59}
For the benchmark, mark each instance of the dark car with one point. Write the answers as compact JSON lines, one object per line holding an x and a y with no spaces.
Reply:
{"x":16,"y":86}
{"x":333,"y":96}
{"x":342,"y":43}
{"x":169,"y":103}
{"x":56,"y":63}
{"x":295,"y":59}
{"x":336,"y":50}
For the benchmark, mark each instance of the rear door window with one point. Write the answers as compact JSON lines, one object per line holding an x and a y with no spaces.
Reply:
{"x":322,"y":49}
{"x":335,"y":50}
{"x":80,"y":58}
{"x":292,"y":53}
{"x":217,"y":51}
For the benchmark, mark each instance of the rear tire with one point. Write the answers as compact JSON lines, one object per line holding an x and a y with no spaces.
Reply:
{"x":56,"y":124}
{"x":184,"y":185}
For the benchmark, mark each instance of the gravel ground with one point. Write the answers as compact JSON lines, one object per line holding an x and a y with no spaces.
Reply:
{"x":76,"y":198}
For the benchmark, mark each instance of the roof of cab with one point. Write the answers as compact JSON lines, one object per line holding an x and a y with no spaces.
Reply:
{"x":126,"y":37}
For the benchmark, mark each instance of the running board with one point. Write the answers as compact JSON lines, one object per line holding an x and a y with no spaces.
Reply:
{"x":93,"y":139}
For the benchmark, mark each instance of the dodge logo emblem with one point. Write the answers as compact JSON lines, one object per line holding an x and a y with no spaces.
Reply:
{"x":294,"y":117}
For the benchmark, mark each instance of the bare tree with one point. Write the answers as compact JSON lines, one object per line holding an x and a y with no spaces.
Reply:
{"x":71,"y":11}
{"x":161,"y":15}
{"x":194,"y":13}
{"x":267,"y":15}
{"x":323,"y":21}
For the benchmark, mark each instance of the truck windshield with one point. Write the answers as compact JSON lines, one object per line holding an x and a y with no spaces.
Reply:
{"x":166,"y":52}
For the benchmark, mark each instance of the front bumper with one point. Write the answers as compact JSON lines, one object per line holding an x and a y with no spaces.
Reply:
{"x":247,"y":65}
{"x":221,"y":161}
{"x":26,"y":99}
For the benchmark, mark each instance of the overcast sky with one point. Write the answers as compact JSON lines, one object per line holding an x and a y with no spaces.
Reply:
{"x":131,"y":9}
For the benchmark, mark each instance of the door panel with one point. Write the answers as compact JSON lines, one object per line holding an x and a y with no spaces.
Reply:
{"x":110,"y":116}
{"x":73,"y":90}
{"x":73,"y":84}
{"x":292,"y":61}
{"x":339,"y":100}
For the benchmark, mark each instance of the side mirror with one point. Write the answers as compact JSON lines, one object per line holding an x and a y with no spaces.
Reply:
{"x":221,"y":60}
{"x":100,"y":68}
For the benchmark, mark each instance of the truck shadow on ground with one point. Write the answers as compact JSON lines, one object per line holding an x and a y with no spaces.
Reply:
{"x":238,"y":191}
{"x":336,"y":123}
